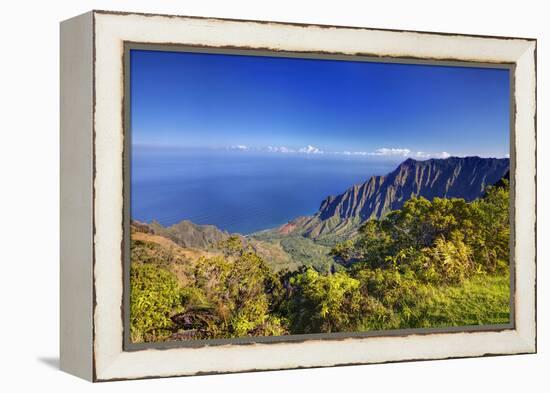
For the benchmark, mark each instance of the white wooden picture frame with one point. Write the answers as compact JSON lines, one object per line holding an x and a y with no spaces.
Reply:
{"x":93,"y":192}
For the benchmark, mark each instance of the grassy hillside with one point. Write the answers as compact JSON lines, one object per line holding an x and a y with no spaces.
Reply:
{"x":484,"y":299}
{"x":479,"y":300}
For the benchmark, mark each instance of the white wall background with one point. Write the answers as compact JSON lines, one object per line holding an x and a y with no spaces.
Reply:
{"x":29,"y":183}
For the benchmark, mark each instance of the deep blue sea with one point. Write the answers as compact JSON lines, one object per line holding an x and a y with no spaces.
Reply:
{"x":240,"y":192}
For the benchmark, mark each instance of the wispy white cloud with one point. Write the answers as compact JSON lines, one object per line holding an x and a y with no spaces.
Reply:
{"x":396,"y":152}
{"x":310,"y":150}
{"x":279,"y":149}
{"x":353,"y":153}
{"x":240,"y":147}
{"x":384,"y":151}
{"x":421,"y":154}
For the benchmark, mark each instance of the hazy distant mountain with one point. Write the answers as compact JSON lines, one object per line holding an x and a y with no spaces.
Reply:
{"x":452,"y":177}
{"x":188,"y":234}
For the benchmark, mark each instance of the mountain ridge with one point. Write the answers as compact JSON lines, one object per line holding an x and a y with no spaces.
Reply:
{"x":452,"y":177}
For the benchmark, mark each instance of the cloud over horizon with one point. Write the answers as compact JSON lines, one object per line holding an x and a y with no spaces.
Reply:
{"x":310,"y":150}
{"x":384,"y":151}
{"x":239,"y":147}
{"x":380,"y":152}
{"x":279,"y":149}
{"x":421,"y":154}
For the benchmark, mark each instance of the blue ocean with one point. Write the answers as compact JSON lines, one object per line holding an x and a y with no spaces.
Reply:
{"x":241,"y":192}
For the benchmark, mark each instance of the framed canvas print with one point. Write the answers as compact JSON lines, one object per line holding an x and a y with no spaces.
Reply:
{"x":245,"y":195}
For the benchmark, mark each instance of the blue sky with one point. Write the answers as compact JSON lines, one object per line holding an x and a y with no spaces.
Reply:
{"x":324,"y":107}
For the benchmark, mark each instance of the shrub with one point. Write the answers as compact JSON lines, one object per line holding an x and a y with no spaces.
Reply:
{"x":154,"y":295}
{"x":239,"y":287}
{"x":450,"y":259}
{"x":324,"y":303}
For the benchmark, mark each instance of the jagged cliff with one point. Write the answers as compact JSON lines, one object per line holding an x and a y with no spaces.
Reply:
{"x":454,"y":177}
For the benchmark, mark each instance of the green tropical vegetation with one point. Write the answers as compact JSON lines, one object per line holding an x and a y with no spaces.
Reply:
{"x":435,"y":263}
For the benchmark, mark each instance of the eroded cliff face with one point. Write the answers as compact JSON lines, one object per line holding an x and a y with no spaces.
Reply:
{"x":453,"y":177}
